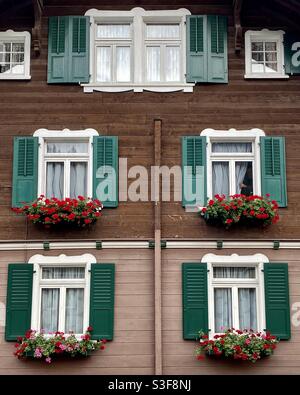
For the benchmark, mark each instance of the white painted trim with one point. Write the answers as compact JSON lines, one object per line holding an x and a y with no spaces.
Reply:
{"x":251,"y":135}
{"x":186,"y":245}
{"x":257,"y":261}
{"x":65,"y":134}
{"x":62,"y":260}
{"x":265,"y":34}
{"x":26,"y":37}
{"x":137,"y":17}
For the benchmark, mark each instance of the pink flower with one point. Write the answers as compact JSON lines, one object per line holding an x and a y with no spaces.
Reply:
{"x":48,"y":360}
{"x":37,"y":353}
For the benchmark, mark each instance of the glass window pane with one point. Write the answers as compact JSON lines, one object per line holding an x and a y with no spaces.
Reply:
{"x":244,"y":178}
{"x":4,"y":68}
{"x":163,"y":31}
{"x":271,"y":56}
{"x":50,"y":273}
{"x":123,"y":64}
{"x":104,"y":64}
{"x":172,"y":63}
{"x":113,"y":31}
{"x":247,"y":308}
{"x":223,"y":309}
{"x":232,"y":147}
{"x":18,"y":47}
{"x":220,"y":178}
{"x":18,"y":57}
{"x":78,"y":179}
{"x":234,"y":272}
{"x":153,"y":64}
{"x":258,"y":56}
{"x":55,"y":180}
{"x":17,"y":69}
{"x":74,"y":310}
{"x":50,"y":309}
{"x":270,"y":46}
{"x":5,"y":46}
{"x":258,"y":68}
{"x":70,"y":147}
{"x":4,"y":57}
{"x":257,"y":46}
{"x":271,"y":67}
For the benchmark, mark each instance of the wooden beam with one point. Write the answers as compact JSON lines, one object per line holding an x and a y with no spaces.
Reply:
{"x":237,"y":9}
{"x":37,"y":29}
{"x":157,"y":250}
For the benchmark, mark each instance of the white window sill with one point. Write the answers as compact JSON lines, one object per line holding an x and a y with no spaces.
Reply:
{"x":15,"y":77}
{"x":89,"y":88}
{"x":267,"y":76}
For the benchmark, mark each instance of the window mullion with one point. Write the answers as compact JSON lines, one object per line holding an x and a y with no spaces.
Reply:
{"x":67,"y":166}
{"x":62,"y":309}
{"x":235,"y":307}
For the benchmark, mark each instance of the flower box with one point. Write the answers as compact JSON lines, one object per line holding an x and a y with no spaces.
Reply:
{"x":44,"y":347}
{"x":250,"y":211}
{"x":51,"y":213}
{"x":237,"y":345}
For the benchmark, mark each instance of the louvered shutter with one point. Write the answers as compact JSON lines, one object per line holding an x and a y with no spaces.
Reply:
{"x":105,"y":170}
{"x":273,"y":169}
{"x":19,"y":299}
{"x":277,"y":299}
{"x":79,"y":45}
{"x":102,"y":300}
{"x":194,"y":170}
{"x":196,"y":48}
{"x":58,"y":59}
{"x":217,"y":63}
{"x":194,"y":299}
{"x":25,"y":170}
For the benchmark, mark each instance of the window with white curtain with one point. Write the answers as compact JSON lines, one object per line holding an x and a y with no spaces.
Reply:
{"x":235,"y":297}
{"x":62,"y":294}
{"x":66,"y":168}
{"x":163,"y":52}
{"x":113,"y":48}
{"x":231,"y":166}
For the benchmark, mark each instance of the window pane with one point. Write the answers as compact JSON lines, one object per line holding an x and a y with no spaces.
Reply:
{"x":234,"y":272}
{"x":223,"y":309}
{"x":258,"y":68}
{"x":113,"y":31}
{"x":74,"y":310}
{"x":271,"y":67}
{"x":271,"y":56}
{"x":247,"y":308}
{"x":18,"y":47}
{"x":258,"y":56}
{"x":257,"y":46}
{"x":220,"y":178}
{"x":231,"y":147}
{"x":4,"y":57}
{"x":172,"y":64}
{"x":71,"y":147}
{"x":104,"y":64}
{"x":163,"y":31}
{"x":50,"y":309}
{"x":78,"y":179}
{"x":63,"y":272}
{"x":153,"y":64}
{"x":244,"y":178}
{"x":55,"y":180}
{"x":123,"y":64}
{"x":4,"y":68}
{"x":17,"y":69}
{"x":5,"y":46}
{"x":270,"y":46}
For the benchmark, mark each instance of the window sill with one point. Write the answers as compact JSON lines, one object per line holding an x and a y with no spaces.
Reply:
{"x":266,"y":76}
{"x":15,"y":77}
{"x":89,"y":88}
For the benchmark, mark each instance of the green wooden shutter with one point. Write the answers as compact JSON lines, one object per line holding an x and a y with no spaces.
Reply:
{"x":58,"y":59}
{"x":68,"y":49}
{"x":25,"y":170}
{"x":273,"y":169}
{"x":196,"y":48}
{"x":102,"y":300}
{"x":292,"y":54}
{"x":217,"y":62}
{"x":19,"y":298}
{"x":277,"y":299}
{"x":79,"y":47}
{"x":193,"y":170}
{"x":105,"y":166}
{"x":194,"y":300}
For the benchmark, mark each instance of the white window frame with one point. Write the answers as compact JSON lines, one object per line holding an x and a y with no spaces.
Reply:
{"x":45,"y":136}
{"x":257,"y":261}
{"x":233,"y":135}
{"x":11,"y":35}
{"x":265,"y":35}
{"x":137,"y":17}
{"x":40,"y":261}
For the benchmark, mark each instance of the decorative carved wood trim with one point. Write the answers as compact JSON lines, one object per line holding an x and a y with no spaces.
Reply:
{"x":237,"y":8}
{"x":37,"y":29}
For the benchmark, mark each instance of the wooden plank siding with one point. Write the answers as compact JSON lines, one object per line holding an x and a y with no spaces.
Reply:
{"x":178,"y":354}
{"x":270,"y":105}
{"x":132,"y":350}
